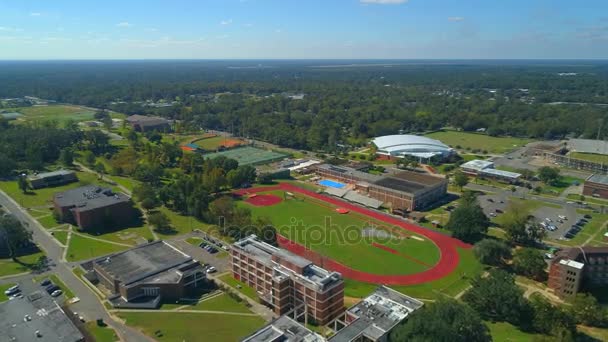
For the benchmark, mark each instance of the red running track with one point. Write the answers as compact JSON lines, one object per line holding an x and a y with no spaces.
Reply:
{"x":447,"y":245}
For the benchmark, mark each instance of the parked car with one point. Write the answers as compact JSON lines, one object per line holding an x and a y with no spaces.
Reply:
{"x":211,"y":269}
{"x":45,"y":282}
{"x":587,"y":216}
{"x":51,"y":288}
{"x":56,"y":293}
{"x":11,"y":291}
{"x":499,"y":211}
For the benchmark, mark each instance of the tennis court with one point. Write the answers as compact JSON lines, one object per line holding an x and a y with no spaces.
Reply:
{"x":248,"y":155}
{"x":332,"y":184}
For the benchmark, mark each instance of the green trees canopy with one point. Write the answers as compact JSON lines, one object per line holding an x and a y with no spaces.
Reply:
{"x":492,"y":252}
{"x":530,"y":262}
{"x":468,"y":222}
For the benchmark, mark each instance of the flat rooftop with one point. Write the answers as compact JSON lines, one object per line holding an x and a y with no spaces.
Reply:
{"x":377,"y":314}
{"x":156,"y":259}
{"x":89,"y":197}
{"x":51,"y":174}
{"x":477,"y":165}
{"x":44,"y":315}
{"x":600,"y":179}
{"x":572,"y":263}
{"x":284,"y":329}
{"x":501,"y":173}
{"x":588,"y":146}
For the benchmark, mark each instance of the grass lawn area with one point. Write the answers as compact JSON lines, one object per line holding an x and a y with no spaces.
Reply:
{"x":534,"y":204}
{"x":4,"y":287}
{"x":127,"y":236}
{"x":481,"y":142}
{"x":341,"y":237}
{"x":61,"y":236}
{"x":48,"y":221}
{"x":587,"y":199}
{"x":56,"y":112}
{"x":127,"y":182}
{"x":194,"y":241}
{"x":561,"y":185}
{"x":101,"y":334}
{"x":449,"y":286}
{"x":82,"y":248}
{"x":180,"y":327}
{"x":245,"y":289}
{"x":43,"y":197}
{"x":182,"y":224}
{"x":505,"y":332}
{"x":597,"y":158}
{"x":9,"y":267}
{"x":222,"y":302}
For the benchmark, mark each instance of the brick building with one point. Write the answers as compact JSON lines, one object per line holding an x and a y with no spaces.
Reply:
{"x":574,"y":268}
{"x":288,"y":283}
{"x":596,"y":186}
{"x":55,"y":178}
{"x":405,"y":190}
{"x":92,"y":207}
{"x":142,"y":123}
{"x":148,"y":274}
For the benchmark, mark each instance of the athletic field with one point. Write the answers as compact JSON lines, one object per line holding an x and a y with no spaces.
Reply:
{"x":363,"y":245}
{"x":248,"y":155}
{"x":481,"y":142}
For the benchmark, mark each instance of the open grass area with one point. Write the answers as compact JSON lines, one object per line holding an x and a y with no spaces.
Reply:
{"x":82,"y":248}
{"x":223,"y":302}
{"x":182,"y":224}
{"x":588,"y":199}
{"x":194,"y":241}
{"x":561,"y":185}
{"x":240,"y":286}
{"x":351,"y":239}
{"x":43,"y":197}
{"x":505,"y":332}
{"x":592,"y":157}
{"x":9,"y":267}
{"x":101,"y":334}
{"x":4,"y":287}
{"x":480,"y":142}
{"x":61,"y":236}
{"x":180,"y":327}
{"x":48,"y":221}
{"x":56,"y":112}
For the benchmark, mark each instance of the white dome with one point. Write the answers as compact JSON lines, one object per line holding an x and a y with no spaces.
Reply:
{"x":412,"y":145}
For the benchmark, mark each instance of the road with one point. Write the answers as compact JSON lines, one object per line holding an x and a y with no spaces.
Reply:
{"x":89,"y":305}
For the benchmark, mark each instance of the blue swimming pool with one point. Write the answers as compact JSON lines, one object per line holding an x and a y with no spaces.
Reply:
{"x":332,"y":184}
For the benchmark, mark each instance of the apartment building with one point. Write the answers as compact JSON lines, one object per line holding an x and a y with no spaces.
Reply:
{"x":577,"y":267}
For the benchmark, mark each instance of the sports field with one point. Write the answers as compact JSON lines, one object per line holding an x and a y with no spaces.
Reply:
{"x":214,"y":143}
{"x":481,"y":142}
{"x":56,"y":112}
{"x":363,"y":245}
{"x":248,"y":155}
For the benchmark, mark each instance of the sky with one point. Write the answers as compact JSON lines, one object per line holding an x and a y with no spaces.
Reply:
{"x":303,"y":29}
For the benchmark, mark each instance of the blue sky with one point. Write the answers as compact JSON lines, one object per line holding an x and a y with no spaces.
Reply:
{"x":212,"y":29}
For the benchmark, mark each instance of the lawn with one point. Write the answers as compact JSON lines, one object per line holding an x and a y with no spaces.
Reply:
{"x":48,"y":221}
{"x":43,"y":197}
{"x":82,"y":248}
{"x":244,"y":288}
{"x":222,"y":302}
{"x":588,"y":199}
{"x":194,"y":241}
{"x":180,"y":327}
{"x":9,"y":267}
{"x":479,"y":142}
{"x":4,"y":287}
{"x":56,"y":112}
{"x":597,"y":158}
{"x":505,"y":332}
{"x":561,"y":185}
{"x":101,"y":334}
{"x":182,"y":224}
{"x":61,"y":236}
{"x":316,"y":225}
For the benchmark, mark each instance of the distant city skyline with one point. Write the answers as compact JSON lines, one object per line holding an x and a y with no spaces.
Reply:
{"x":315,"y":29}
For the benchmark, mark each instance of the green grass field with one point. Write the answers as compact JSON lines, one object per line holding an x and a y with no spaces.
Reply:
{"x":597,"y":158}
{"x":481,"y":142}
{"x":9,"y":267}
{"x":223,"y":302}
{"x":101,"y":334}
{"x":182,"y":224}
{"x":82,"y":248}
{"x":61,"y":236}
{"x":181,"y":327}
{"x":340,"y":237}
{"x":194,"y":241}
{"x":505,"y":332}
{"x":56,"y":112}
{"x":48,"y":221}
{"x":244,"y":288}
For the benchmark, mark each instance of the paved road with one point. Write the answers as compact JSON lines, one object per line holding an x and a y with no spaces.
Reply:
{"x":89,"y":305}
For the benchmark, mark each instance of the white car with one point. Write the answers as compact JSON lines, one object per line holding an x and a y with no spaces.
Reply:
{"x":548,"y":219}
{"x":563,"y":217}
{"x":56,"y":293}
{"x":211,"y":270}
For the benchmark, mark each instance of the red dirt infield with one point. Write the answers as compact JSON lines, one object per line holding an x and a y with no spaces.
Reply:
{"x":263,"y":200}
{"x":446,"y":244}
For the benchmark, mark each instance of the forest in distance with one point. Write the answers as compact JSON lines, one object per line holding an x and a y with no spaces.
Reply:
{"x":345,"y":102}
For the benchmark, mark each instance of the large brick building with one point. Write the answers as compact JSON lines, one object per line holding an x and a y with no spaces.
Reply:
{"x":288,"y":283}
{"x":142,"y":123}
{"x":92,"y":206}
{"x":577,"y":267}
{"x":145,"y":275}
{"x":596,"y":186}
{"x":405,"y":190}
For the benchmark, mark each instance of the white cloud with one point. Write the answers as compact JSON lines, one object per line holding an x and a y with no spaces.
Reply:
{"x":124,"y":24}
{"x":383,"y":2}
{"x":226,"y":22}
{"x":455,"y":18}
{"x":278,"y":31}
{"x":35,"y":14}
{"x":248,"y":25}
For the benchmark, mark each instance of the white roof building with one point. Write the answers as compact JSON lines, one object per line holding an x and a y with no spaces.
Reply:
{"x":476,"y":165}
{"x":400,"y":145}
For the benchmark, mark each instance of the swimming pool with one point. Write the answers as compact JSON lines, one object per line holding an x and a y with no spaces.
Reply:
{"x":332,"y":184}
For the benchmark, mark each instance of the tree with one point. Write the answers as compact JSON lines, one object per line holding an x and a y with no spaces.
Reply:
{"x":518,"y":224}
{"x":7,"y":165}
{"x":16,"y":236}
{"x":23,"y":184}
{"x":160,"y":222}
{"x":548,"y":175}
{"x":100,"y":168}
{"x":586,"y":310}
{"x":551,"y":320}
{"x":265,"y":178}
{"x":529,"y":262}
{"x":444,"y":321}
{"x":149,"y":203}
{"x":460,"y":179}
{"x":468,"y":222}
{"x":497,"y":298}
{"x":67,"y":157}
{"x":492,"y":252}
{"x":89,"y":158}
